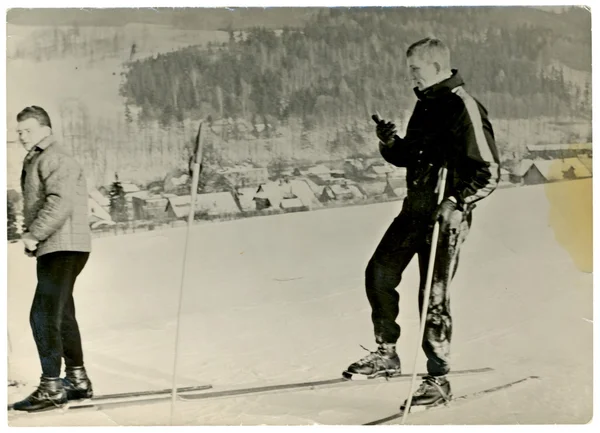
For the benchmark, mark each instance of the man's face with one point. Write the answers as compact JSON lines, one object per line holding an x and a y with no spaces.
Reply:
{"x":31,"y":132}
{"x":423,"y":73}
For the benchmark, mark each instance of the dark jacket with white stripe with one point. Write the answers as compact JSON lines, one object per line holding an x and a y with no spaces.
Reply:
{"x":448,"y":127}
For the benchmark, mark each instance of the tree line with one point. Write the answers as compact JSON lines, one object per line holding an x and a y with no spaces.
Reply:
{"x":344,"y":62}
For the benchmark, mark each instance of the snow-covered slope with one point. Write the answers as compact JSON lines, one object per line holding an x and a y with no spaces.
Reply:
{"x":281,"y":298}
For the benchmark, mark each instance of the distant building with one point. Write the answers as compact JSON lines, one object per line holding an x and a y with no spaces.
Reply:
{"x":212,"y":204}
{"x":150,"y":207}
{"x":245,"y":198}
{"x":353,"y":168}
{"x":395,"y":188}
{"x":176,"y":181}
{"x":378,"y":171}
{"x":292,"y":205}
{"x":100,"y":198}
{"x":587,"y":162}
{"x":97,"y":214}
{"x":559,"y":151}
{"x":268,"y":196}
{"x":519,"y":172}
{"x":320,"y":179}
{"x":277,"y":195}
{"x":544,"y":171}
{"x":130,"y":188}
{"x":316,"y":189}
{"x":374,"y":188}
{"x":342,"y":192}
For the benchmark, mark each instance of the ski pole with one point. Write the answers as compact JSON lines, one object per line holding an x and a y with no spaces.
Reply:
{"x":430,"y":268}
{"x":197,"y":159}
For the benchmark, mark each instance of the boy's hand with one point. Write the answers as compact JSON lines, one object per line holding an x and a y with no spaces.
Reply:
{"x":29,"y":241}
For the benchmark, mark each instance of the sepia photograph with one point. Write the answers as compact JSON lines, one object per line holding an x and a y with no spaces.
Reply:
{"x":299,"y":216}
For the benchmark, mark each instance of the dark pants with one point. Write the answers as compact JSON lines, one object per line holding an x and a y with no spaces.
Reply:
{"x":52,"y":317}
{"x":408,"y":235}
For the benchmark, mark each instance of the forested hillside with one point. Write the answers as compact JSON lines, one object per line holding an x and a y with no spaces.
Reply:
{"x":292,"y":85}
{"x":331,"y":73}
{"x":344,"y":62}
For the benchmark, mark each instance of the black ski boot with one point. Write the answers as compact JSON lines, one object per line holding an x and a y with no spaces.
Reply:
{"x":383,"y":362}
{"x":434,"y":390}
{"x":77,"y":384}
{"x":50,"y":394}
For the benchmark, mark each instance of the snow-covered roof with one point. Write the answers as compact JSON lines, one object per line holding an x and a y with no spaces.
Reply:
{"x":246,"y":198}
{"x":96,"y":212}
{"x":556,"y":168}
{"x":522,"y":168}
{"x":344,"y":191}
{"x":396,"y":183}
{"x":99,"y":198}
{"x":275,"y":192}
{"x":291,"y":203}
{"x":130,"y":187}
{"x":558,"y":147}
{"x":213,"y":203}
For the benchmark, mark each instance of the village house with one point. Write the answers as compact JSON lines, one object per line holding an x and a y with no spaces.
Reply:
{"x":212,"y":204}
{"x":316,"y":189}
{"x":176,"y":181}
{"x":150,"y":207}
{"x":378,"y":170}
{"x":544,"y":171}
{"x":558,"y":151}
{"x":516,"y":176}
{"x":587,"y":162}
{"x":244,"y":198}
{"x":373,"y":188}
{"x":342,"y":192}
{"x":287,"y":195}
{"x":395,"y":187}
{"x":293,"y":204}
{"x":98,"y":215}
{"x":353,"y":168}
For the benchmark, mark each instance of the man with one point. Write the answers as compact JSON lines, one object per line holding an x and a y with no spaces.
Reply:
{"x":55,"y":209}
{"x":448,"y":128}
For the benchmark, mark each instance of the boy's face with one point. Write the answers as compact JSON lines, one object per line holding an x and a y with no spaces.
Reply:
{"x":423,"y":73}
{"x":31,"y":132}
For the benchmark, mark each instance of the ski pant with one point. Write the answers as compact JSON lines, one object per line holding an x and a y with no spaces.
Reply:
{"x":408,"y":235}
{"x":52,"y":317}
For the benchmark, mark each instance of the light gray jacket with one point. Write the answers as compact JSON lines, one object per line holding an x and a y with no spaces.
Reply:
{"x":55,"y":199}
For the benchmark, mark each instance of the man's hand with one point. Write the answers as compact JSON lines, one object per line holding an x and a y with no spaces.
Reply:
{"x":30,"y":242}
{"x":385,"y":132}
{"x":445,"y":210}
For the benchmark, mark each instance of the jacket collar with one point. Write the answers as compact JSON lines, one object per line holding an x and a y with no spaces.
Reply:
{"x":40,"y":147}
{"x":440,"y":89}
{"x":47,"y":141}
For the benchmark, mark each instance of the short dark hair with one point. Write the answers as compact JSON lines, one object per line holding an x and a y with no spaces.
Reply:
{"x":35,"y":112}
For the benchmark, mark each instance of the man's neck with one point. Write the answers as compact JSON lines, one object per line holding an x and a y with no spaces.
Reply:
{"x":442,"y":77}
